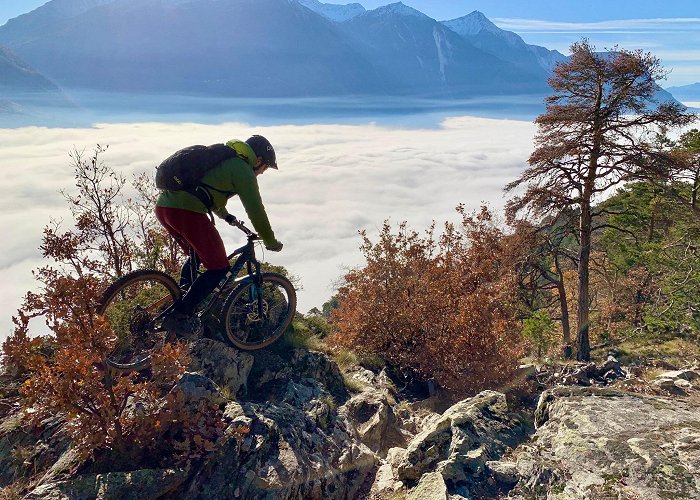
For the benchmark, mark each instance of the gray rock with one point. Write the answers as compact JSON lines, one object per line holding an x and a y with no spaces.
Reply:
{"x":526,"y":372}
{"x":503,"y":472}
{"x":603,"y":443}
{"x":385,"y":484}
{"x":271,"y":372}
{"x":374,"y":419}
{"x":689,"y":375}
{"x":682,"y":384}
{"x":462,"y":440}
{"x":136,"y":485}
{"x":430,"y":487}
{"x":285,"y":454}
{"x":667,"y":384}
{"x":226,"y":366}
{"x":196,"y":387}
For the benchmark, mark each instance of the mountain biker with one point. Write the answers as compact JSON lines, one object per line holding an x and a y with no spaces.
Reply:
{"x":186,"y":218}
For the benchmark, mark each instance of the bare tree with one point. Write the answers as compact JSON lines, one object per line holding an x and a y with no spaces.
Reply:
{"x":597,"y":132}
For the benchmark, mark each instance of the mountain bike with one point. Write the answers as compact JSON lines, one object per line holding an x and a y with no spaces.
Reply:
{"x":250,"y":311}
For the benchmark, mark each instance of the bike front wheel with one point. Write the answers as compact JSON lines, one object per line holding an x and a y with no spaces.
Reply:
{"x":131,"y":305}
{"x":258,"y":312}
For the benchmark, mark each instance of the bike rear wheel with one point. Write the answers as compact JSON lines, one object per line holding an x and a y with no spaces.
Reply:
{"x":255,"y":315}
{"x":131,"y":305}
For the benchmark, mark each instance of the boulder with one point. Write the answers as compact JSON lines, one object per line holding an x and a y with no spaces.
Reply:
{"x":196,"y":387}
{"x":385,"y":484}
{"x":283,"y":454}
{"x":505,"y":473}
{"x":226,"y":366}
{"x":272,"y":370}
{"x":689,"y":375}
{"x":605,"y":443}
{"x":430,"y":487}
{"x":460,"y":443}
{"x":373,"y":416}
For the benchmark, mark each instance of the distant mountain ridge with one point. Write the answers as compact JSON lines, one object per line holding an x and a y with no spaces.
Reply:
{"x":332,"y":11}
{"x":261,"y":48}
{"x":478,"y":30}
{"x":16,"y":76}
{"x":686,"y":92}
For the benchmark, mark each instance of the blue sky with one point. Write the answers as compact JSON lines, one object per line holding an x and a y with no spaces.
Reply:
{"x":669,"y":29}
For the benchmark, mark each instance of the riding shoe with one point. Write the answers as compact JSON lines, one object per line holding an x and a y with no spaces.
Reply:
{"x":184,"y":327}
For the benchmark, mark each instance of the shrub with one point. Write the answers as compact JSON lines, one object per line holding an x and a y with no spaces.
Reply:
{"x":445,"y":307}
{"x":127,"y":418}
{"x":539,"y":330}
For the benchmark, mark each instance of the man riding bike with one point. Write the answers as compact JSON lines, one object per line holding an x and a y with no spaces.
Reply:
{"x":186,"y":218}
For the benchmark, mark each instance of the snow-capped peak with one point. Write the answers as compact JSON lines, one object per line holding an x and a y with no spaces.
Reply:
{"x":472,"y":24}
{"x":338,"y":13}
{"x":400,"y":9}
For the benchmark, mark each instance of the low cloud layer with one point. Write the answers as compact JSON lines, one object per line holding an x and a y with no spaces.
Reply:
{"x":333,"y":181}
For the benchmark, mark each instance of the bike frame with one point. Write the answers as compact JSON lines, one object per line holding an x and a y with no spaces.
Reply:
{"x":245,"y":256}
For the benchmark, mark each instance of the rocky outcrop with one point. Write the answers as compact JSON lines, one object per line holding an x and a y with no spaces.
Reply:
{"x":136,"y":485}
{"x":225,"y":366}
{"x":605,"y":443}
{"x":285,"y":454}
{"x":461,"y":441}
{"x":449,"y":457}
{"x":677,"y":381}
{"x":287,"y":437}
{"x":293,"y":430}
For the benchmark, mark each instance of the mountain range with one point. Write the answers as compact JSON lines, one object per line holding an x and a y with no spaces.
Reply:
{"x":272,"y":48}
{"x":266,"y":48}
{"x":686,"y":92}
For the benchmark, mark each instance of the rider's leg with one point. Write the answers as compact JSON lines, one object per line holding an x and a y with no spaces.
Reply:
{"x":200,"y":289}
{"x":189,"y":271}
{"x":199,"y":233}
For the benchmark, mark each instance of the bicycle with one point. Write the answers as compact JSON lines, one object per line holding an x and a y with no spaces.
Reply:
{"x":256,"y":313}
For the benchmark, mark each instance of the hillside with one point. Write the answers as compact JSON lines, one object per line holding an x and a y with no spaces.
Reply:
{"x":296,"y":426}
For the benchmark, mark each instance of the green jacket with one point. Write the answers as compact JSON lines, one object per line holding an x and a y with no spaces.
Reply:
{"x":232,"y":177}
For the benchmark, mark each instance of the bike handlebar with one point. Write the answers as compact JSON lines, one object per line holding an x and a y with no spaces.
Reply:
{"x":231,"y":219}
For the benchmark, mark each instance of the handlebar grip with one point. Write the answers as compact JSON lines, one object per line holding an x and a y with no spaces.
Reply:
{"x":233,"y":221}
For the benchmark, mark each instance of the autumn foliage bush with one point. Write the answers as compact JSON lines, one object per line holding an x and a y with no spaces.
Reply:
{"x":130,"y":419}
{"x":445,"y":308}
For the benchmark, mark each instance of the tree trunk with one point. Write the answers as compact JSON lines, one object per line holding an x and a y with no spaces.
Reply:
{"x":565,"y":326}
{"x":696,"y":185}
{"x":582,"y":338}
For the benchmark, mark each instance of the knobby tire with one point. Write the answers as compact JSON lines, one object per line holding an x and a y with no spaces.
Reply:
{"x":244,"y":327}
{"x":131,"y":304}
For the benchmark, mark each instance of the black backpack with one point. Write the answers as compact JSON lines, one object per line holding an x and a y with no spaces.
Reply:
{"x":184,"y":170}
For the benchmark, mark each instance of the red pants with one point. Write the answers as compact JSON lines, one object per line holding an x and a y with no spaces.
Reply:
{"x":192,"y":229}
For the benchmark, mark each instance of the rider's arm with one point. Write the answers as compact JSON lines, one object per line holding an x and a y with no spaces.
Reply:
{"x":221,"y":213}
{"x":247,"y":188}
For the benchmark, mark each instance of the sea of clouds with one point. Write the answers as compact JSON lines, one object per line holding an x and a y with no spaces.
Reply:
{"x":333,"y":181}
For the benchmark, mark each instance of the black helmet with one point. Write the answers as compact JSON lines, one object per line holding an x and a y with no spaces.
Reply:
{"x":262,"y":148}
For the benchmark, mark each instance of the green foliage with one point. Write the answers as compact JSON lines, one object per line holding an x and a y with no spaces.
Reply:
{"x":539,"y":330}
{"x":653,"y":259}
{"x":307,"y":332}
{"x":328,"y":306}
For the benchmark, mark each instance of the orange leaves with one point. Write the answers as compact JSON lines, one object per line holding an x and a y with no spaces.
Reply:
{"x":445,"y":307}
{"x":64,"y":372}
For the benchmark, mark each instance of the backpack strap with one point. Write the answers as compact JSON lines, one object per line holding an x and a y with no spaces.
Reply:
{"x":204,"y":196}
